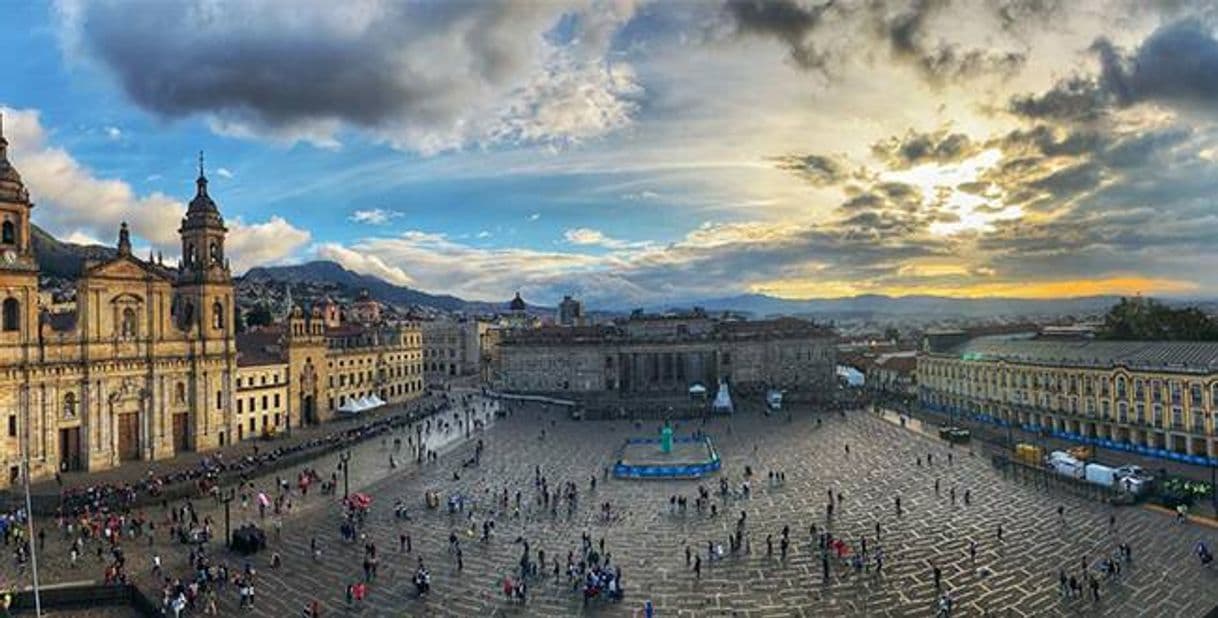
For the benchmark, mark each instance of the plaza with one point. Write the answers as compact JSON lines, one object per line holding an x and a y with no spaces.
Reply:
{"x":1016,"y":576}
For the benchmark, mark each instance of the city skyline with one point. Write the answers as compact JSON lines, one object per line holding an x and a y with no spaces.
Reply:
{"x":641,"y":151}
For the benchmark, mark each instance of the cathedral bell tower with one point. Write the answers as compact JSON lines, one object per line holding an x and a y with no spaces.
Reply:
{"x":205,"y":283}
{"x":18,"y":269}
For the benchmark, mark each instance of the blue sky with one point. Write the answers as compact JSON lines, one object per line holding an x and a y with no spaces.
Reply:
{"x":631,"y":151}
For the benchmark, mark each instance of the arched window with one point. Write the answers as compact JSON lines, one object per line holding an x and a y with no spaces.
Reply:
{"x":214,"y":251}
{"x":8,"y":233}
{"x":12,"y":315}
{"x":179,"y":393}
{"x":128,"y":329}
{"x":69,"y":405}
{"x":217,"y":315}
{"x":192,"y":255}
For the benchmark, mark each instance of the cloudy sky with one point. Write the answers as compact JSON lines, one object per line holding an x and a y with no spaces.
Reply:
{"x":630,"y":151}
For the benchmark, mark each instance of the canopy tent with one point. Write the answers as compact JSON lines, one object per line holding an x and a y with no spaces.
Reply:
{"x":723,"y":399}
{"x":357,"y":405}
{"x":697,"y":392}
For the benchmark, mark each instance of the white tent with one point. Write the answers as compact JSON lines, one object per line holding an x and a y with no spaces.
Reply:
{"x":723,"y":399}
{"x":361,"y":404}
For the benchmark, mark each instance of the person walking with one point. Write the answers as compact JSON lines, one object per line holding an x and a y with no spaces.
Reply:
{"x":938,"y":577}
{"x":697,"y":567}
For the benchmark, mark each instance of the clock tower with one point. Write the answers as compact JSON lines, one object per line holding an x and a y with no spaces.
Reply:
{"x":18,"y":269}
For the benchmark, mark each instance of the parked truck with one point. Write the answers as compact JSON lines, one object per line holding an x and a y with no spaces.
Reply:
{"x":1066,"y":465}
{"x":1100,"y":474}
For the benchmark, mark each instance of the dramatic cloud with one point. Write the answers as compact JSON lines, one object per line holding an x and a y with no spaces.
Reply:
{"x":426,"y":76}
{"x":73,"y":202}
{"x":1177,"y":65}
{"x":810,"y":32}
{"x":790,"y":22}
{"x":918,"y":148}
{"x":819,"y":170}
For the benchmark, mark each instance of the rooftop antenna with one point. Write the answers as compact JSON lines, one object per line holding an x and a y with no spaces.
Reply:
{"x":200,"y":164}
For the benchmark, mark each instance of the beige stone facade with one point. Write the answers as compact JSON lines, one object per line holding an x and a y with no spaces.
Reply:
{"x":141,"y":369}
{"x":666,"y":355}
{"x":1160,"y":395}
{"x":331,"y":365}
{"x":146,"y":363}
{"x":262,"y":400}
{"x":452,"y":347}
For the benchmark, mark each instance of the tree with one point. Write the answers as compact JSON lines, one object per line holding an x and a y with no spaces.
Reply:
{"x":1144,"y":319}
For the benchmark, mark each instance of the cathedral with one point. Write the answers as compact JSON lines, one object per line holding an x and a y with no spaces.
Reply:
{"x":140,"y":370}
{"x":148,"y":363}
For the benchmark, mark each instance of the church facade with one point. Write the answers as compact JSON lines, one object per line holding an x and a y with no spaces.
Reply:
{"x":140,"y":370}
{"x":147,"y":364}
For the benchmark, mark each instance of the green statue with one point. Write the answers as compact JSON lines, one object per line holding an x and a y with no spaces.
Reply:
{"x":666,"y":439}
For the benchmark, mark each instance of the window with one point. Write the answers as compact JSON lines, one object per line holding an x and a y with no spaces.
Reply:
{"x":128,"y":327}
{"x":217,"y":312}
{"x":12,"y":315}
{"x":264,"y":400}
{"x":1120,"y":388}
{"x":8,"y":235}
{"x":240,"y":407}
{"x":276,"y":402}
{"x":219,"y":399}
{"x":12,"y":425}
{"x":69,"y":405}
{"x":180,"y":393}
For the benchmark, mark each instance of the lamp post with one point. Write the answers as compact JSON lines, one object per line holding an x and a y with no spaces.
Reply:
{"x":345,"y":457}
{"x":29,"y":519}
{"x":227,"y":496}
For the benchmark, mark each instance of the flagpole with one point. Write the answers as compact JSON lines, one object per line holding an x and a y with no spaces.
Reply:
{"x":29,"y":520}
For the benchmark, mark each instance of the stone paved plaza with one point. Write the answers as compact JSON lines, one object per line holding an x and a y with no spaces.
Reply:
{"x":1015,"y":577}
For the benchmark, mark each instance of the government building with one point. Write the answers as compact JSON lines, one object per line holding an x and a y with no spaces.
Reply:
{"x":147,"y":364}
{"x":1159,"y":396}
{"x":665,"y":355}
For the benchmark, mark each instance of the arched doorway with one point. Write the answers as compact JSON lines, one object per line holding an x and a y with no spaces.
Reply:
{"x":308,"y":410}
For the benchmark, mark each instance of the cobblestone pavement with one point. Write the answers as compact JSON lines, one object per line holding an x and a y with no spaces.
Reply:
{"x":1014,"y":577}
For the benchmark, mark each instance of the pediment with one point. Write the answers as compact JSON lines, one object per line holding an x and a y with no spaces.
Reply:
{"x":125,"y":267}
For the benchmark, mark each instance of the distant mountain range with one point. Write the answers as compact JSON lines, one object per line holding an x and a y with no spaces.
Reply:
{"x":352,"y":282}
{"x":64,"y":260}
{"x":876,"y":306}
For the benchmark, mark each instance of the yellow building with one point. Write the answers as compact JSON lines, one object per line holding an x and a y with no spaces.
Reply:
{"x":331,"y":363}
{"x":1156,"y":395}
{"x":141,"y":369}
{"x":147,"y":365}
{"x":261,"y":387}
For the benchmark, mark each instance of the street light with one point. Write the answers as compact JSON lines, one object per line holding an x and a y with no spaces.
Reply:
{"x":227,"y":496}
{"x":345,"y":457}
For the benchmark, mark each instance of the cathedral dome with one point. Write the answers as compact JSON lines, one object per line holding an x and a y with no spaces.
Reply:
{"x":517,"y":303}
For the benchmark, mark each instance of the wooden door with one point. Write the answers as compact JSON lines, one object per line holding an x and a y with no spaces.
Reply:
{"x":69,"y":449}
{"x":181,"y":432}
{"x":128,"y":436}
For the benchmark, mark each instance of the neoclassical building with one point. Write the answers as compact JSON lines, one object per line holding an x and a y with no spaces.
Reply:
{"x":141,"y":368}
{"x":664,"y":355}
{"x":1157,"y":395}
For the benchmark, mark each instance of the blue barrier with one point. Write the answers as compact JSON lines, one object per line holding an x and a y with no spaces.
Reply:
{"x":1158,"y":453}
{"x":711,"y":465}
